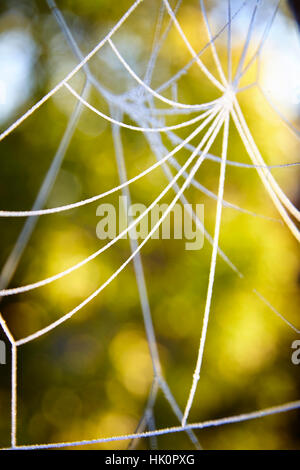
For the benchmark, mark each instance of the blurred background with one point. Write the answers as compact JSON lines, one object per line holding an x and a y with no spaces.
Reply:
{"x":91,"y":376}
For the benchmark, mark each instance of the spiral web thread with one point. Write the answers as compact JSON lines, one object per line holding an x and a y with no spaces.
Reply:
{"x":139,"y":105}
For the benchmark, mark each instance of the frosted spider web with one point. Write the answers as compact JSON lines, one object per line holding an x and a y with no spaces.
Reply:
{"x":140,"y":105}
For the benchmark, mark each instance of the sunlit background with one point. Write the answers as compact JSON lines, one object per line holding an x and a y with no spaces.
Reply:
{"x":91,"y":376}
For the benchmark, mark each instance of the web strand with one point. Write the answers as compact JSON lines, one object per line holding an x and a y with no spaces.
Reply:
{"x":196,"y":375}
{"x":205,"y":424}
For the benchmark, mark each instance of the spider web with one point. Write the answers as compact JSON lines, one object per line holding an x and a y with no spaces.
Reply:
{"x":148,"y":109}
